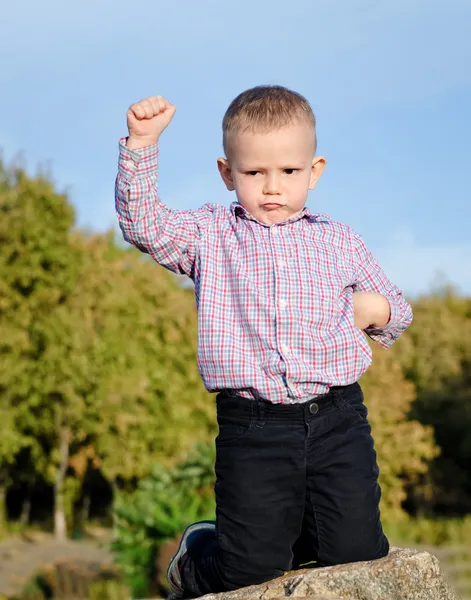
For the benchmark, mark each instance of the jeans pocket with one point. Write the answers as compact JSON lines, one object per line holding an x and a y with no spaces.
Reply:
{"x":232,"y":430}
{"x":354,"y":405}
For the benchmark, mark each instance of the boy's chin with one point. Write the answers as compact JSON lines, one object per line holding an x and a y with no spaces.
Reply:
{"x":270,"y":213}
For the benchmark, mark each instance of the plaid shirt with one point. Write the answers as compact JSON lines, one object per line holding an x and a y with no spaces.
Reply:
{"x":275,"y":302}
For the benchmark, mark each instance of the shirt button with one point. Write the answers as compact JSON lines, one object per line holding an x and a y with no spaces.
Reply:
{"x":128,"y":162}
{"x":274,"y":230}
{"x":283,"y":304}
{"x":285,"y":349}
{"x":281,"y":263}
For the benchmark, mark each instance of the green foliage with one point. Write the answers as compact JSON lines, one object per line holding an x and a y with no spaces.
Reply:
{"x":37,"y":588}
{"x":108,"y":590}
{"x":96,"y":346}
{"x":432,"y":532}
{"x":164,"y":504}
{"x":38,"y":272}
{"x":436,"y":357}
{"x":404,"y":447}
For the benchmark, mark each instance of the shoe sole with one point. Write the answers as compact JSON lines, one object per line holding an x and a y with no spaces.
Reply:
{"x":176,"y":592}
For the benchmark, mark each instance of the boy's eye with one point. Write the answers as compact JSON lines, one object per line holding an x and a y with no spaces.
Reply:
{"x":287,"y":171}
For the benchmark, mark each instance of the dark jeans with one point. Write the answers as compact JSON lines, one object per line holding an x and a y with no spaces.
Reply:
{"x":294,"y":484}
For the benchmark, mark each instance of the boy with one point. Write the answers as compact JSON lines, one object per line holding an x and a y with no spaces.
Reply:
{"x":283,"y":296}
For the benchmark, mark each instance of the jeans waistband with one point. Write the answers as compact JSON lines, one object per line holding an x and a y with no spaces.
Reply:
{"x":231,"y":403}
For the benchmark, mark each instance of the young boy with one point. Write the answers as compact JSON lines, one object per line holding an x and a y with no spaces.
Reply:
{"x":283,"y":296}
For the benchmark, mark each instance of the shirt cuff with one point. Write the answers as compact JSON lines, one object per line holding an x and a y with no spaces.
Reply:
{"x":139,"y":163}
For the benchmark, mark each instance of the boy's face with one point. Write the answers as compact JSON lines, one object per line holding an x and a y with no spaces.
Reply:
{"x":272,"y":172}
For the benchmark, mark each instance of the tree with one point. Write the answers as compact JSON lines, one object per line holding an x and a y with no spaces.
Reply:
{"x":148,"y":403}
{"x":98,"y":346}
{"x":98,"y":349}
{"x":436,"y":357}
{"x":37,"y":271}
{"x":404,"y":447}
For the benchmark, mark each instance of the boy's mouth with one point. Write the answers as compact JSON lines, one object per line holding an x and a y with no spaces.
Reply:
{"x":272,"y":205}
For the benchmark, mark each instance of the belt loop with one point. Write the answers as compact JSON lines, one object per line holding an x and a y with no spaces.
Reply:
{"x":336,"y":395}
{"x":260,"y":412}
{"x":337,"y":391}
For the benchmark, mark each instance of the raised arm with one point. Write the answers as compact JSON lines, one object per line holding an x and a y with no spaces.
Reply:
{"x":171,"y":237}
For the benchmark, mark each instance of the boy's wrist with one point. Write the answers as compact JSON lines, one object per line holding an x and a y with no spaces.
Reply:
{"x":134,"y":143}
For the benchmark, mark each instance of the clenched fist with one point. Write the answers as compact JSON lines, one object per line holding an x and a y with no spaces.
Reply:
{"x":146,"y":121}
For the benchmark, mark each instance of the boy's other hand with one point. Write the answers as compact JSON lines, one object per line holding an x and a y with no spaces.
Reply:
{"x":370,"y":309}
{"x":147,"y":119}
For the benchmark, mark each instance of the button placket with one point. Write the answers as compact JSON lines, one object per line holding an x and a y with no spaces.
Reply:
{"x":280,"y":253}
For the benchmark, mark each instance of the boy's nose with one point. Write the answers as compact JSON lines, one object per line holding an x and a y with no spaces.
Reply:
{"x":272,"y":185}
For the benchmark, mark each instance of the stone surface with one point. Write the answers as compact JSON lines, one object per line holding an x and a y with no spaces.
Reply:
{"x":405,"y":574}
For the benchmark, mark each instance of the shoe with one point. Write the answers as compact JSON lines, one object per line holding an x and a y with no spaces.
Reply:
{"x":190,"y":535}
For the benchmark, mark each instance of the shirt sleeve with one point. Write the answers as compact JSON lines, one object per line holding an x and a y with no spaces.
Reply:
{"x":371,"y":278}
{"x":171,"y":237}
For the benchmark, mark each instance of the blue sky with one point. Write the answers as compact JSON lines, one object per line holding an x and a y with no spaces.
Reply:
{"x":389,"y":82}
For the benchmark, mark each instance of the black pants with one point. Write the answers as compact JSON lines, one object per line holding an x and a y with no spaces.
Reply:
{"x":294,"y":484}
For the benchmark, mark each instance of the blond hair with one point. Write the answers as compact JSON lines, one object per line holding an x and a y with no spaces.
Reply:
{"x":266,"y":107}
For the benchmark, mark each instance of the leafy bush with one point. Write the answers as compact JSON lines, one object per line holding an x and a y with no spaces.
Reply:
{"x":433,"y":532}
{"x":164,"y":504}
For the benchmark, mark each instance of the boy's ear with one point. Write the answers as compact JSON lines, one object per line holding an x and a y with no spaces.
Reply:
{"x":318,"y":166}
{"x":226,"y":173}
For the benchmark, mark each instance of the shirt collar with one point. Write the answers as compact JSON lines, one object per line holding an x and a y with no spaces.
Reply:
{"x":239,"y":211}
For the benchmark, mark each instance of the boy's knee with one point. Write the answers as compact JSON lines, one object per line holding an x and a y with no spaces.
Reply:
{"x":355,"y":550}
{"x":242,"y":575}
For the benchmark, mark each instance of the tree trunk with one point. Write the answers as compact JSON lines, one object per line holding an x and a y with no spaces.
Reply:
{"x":25,"y":511}
{"x":85,"y":509}
{"x":60,"y":526}
{"x":114,"y":496}
{"x":3,"y":509}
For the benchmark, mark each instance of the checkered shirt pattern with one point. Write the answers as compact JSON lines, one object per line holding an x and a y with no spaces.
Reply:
{"x":275,"y":302}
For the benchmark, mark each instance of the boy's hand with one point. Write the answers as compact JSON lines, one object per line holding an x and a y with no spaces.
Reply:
{"x":146,"y":121}
{"x":370,"y":309}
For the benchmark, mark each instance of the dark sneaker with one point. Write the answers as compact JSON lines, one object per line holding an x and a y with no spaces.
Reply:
{"x":190,"y":535}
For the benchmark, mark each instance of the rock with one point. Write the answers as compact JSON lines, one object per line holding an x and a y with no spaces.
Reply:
{"x":405,"y":574}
